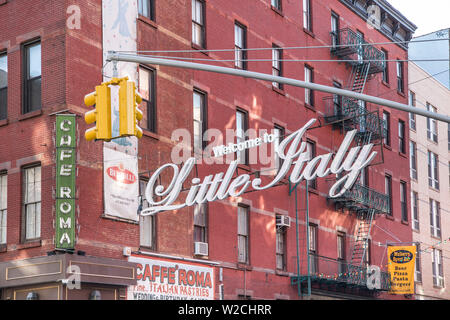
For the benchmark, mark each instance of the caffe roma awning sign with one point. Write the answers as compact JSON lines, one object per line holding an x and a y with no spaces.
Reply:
{"x":292,"y":150}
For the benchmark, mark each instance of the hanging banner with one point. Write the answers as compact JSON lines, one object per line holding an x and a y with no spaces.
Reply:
{"x":120,"y":155}
{"x":163,"y":279}
{"x":401,"y":262}
{"x":121,"y":184}
{"x":65,"y":180}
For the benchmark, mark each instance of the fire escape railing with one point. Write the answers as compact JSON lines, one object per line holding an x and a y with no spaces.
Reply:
{"x":348,"y":45}
{"x":340,"y":272}
{"x":360,"y":197}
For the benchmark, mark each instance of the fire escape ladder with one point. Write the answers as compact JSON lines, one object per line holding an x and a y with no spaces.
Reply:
{"x":356,"y":266}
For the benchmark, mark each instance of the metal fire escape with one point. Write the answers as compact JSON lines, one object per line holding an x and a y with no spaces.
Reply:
{"x":349,"y":114}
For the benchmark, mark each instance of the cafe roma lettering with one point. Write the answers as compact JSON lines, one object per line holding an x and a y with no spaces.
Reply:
{"x":292,"y":150}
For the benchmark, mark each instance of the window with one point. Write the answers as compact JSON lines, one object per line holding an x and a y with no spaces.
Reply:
{"x":243,"y":234}
{"x":307,"y":15}
{"x":388,"y":191}
{"x":435,"y":219}
{"x":200,"y":123}
{"x":279,"y":136}
{"x":415,"y":209}
{"x":32,"y":77}
{"x":309,"y":95}
{"x":432,"y":133}
{"x":276,"y":4}
{"x":448,"y":135}
{"x":400,"y":85}
{"x":313,"y":249}
{"x":277,"y":69}
{"x":403,"y":201}
{"x":3,"y":86}
{"x":413,"y":159}
{"x":418,"y":268}
{"x":337,"y":100}
{"x":311,"y":151}
{"x":241,"y":135}
{"x":147,"y":227}
{"x":401,"y":137}
{"x":433,"y":170}
{"x":334,"y":29}
{"x":386,"y":68}
{"x":412,"y":116}
{"x":387,"y":128}
{"x":32,"y":202}
{"x":3,"y":206}
{"x":363,"y":178}
{"x":341,"y":252}
{"x":240,"y":46}
{"x":148,"y":105}
{"x":360,"y":48}
{"x":438,"y":269}
{"x":198,"y":23}
{"x":281,"y":248}
{"x":201,"y":222}
{"x":146,"y":8}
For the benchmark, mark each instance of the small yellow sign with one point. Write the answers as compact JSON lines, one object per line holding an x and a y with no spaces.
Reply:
{"x":401,"y":268}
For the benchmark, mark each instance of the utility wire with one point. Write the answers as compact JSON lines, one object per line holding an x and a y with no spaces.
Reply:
{"x":291,"y":60}
{"x":283,"y":48}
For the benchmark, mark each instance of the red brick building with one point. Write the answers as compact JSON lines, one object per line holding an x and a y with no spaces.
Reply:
{"x":55,"y":58}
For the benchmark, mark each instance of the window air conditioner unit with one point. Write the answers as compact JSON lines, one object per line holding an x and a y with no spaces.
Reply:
{"x":283,"y":221}
{"x":201,"y":248}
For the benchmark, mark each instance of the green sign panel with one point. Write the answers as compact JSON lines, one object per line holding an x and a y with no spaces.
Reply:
{"x":65,"y":181}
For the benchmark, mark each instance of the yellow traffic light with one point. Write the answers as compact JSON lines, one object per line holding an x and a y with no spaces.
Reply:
{"x":101,"y":115}
{"x":129,"y":112}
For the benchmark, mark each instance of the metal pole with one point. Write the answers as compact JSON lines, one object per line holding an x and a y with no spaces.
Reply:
{"x":299,"y":291}
{"x":113,"y":56}
{"x":307,"y":240}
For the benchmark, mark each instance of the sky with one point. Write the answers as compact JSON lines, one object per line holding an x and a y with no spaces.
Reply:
{"x":433,"y":16}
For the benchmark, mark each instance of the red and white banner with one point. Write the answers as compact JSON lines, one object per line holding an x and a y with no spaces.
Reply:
{"x":121,"y":185}
{"x":161,"y":279}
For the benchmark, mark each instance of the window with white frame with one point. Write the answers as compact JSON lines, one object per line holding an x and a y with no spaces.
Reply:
{"x":415,"y":209}
{"x":198,"y":23}
{"x":403,"y":200}
{"x":438,"y":268}
{"x":199,"y":117}
{"x":3,"y":206}
{"x":243,"y":234}
{"x":401,"y":137}
{"x":435,"y":218}
{"x":388,"y":192}
{"x":432,"y":130}
{"x":277,"y":69}
{"x":279,"y":136}
{"x":241,"y":135}
{"x":313,"y":267}
{"x":240,"y":53}
{"x":418,"y":267}
{"x":146,"y":8}
{"x":276,"y":4}
{"x":308,"y":92}
{"x":3,"y":86}
{"x":412,"y":116}
{"x":32,"y":202}
{"x":201,"y":223}
{"x":413,"y":159}
{"x":400,"y":77}
{"x":32,"y":77}
{"x":334,"y":29}
{"x":307,"y":15}
{"x":281,"y":248}
{"x":433,"y":170}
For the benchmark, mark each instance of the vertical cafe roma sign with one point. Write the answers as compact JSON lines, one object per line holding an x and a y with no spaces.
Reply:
{"x":65,"y":181}
{"x":347,"y":161}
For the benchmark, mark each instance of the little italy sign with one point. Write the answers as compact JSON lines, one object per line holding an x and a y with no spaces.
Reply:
{"x":291,"y":150}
